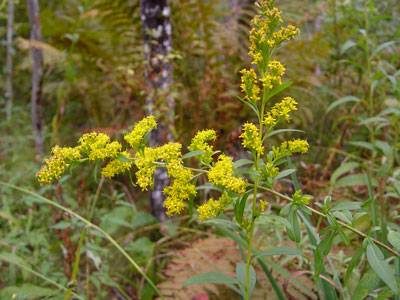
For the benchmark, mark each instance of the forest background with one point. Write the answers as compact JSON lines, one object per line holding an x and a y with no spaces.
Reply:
{"x":95,"y":76}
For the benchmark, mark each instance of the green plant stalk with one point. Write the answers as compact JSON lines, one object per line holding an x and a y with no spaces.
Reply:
{"x":89,"y":224}
{"x":76,"y":263}
{"x":254,"y":209}
{"x":250,"y":239}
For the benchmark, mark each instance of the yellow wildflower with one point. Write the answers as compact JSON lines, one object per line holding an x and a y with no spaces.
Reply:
{"x":270,"y":170}
{"x":285,"y":33}
{"x":251,"y":138}
{"x":55,"y":166}
{"x":249,"y":85}
{"x":199,"y":144}
{"x":209,"y":209}
{"x":300,"y":199}
{"x":134,"y":138}
{"x":263,"y":204}
{"x":288,"y":148}
{"x":146,"y":167}
{"x":116,"y":166}
{"x":269,"y":120}
{"x":283,"y":108}
{"x":299,"y":145}
{"x":221,"y":174}
{"x":181,"y":188}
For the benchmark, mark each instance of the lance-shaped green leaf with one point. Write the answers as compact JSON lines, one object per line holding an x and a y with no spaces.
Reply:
{"x":381,"y":267}
{"x":211,"y":277}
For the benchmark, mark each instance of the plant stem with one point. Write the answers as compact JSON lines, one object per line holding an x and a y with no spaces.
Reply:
{"x":250,"y":239}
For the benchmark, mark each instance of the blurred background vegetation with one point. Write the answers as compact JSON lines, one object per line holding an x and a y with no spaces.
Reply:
{"x":94,"y":79}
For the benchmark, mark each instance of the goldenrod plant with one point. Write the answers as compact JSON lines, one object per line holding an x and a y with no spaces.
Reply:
{"x":243,"y":183}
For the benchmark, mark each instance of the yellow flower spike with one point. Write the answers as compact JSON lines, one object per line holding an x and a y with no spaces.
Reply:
{"x":263,"y":205}
{"x":288,"y":148}
{"x":271,"y":171}
{"x":221,"y":174}
{"x":276,"y":67}
{"x":209,"y":209}
{"x":300,"y":199}
{"x":283,"y":108}
{"x":298,"y":145}
{"x":115,"y":167}
{"x":181,"y":188}
{"x":134,"y":138}
{"x":56,"y":165}
{"x":170,"y":151}
{"x":249,"y":85}
{"x":251,"y":138}
{"x":146,"y":168}
{"x":269,"y":120}
{"x":199,"y":143}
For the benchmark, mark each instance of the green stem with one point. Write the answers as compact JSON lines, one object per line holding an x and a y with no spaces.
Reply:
{"x":250,"y":239}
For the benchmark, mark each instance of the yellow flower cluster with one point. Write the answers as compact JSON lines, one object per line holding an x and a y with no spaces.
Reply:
{"x":199,"y":144}
{"x":134,"y":138}
{"x":116,"y":166}
{"x":98,"y":147}
{"x":250,"y":85}
{"x":273,"y":77}
{"x":298,"y":145}
{"x":263,"y":204}
{"x":221,"y":174}
{"x":181,"y":188}
{"x":55,"y":166}
{"x":209,"y":209}
{"x":263,"y":36}
{"x":280,"y":111}
{"x":270,"y":170}
{"x":285,"y":33}
{"x":288,"y":148}
{"x":145,"y":162}
{"x":300,"y":199}
{"x":251,"y":138}
{"x":213,"y":208}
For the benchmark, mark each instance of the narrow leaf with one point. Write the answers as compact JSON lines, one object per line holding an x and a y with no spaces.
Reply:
{"x":279,"y":251}
{"x":381,"y":267}
{"x":211,"y":277}
{"x":192,"y":154}
{"x":341,"y":101}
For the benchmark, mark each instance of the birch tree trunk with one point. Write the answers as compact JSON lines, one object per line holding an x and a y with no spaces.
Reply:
{"x":9,"y":62}
{"x":157,"y":46}
{"x":37,"y":75}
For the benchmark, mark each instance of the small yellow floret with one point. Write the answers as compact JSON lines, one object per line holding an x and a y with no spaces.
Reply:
{"x":249,"y":85}
{"x":221,"y":174}
{"x":300,"y":199}
{"x":199,"y":143}
{"x":283,"y":108}
{"x":251,"y":138}
{"x":56,"y":165}
{"x":181,"y":188}
{"x":263,"y":204}
{"x":134,"y":138}
{"x":209,"y":209}
{"x":116,"y":166}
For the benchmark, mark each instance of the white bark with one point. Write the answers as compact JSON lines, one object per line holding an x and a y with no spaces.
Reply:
{"x":37,"y":75}
{"x":9,"y":61}
{"x":157,"y":46}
